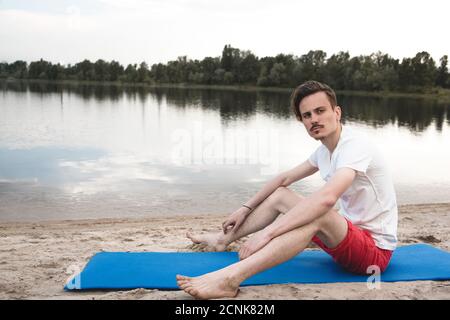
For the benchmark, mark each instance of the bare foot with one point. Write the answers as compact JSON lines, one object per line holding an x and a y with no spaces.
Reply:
{"x":209,"y":286}
{"x":214,"y":241}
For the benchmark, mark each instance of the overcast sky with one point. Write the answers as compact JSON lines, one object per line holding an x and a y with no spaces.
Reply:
{"x":132,"y":31}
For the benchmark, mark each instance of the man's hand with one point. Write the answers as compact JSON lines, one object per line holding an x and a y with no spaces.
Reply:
{"x":235,"y":220}
{"x":256,"y":242}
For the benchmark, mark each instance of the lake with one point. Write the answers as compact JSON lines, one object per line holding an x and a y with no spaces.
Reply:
{"x":85,"y":151}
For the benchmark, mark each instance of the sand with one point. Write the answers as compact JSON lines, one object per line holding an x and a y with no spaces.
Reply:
{"x":37,"y":258}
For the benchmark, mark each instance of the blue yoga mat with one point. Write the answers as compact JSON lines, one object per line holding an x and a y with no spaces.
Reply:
{"x":157,"y":270}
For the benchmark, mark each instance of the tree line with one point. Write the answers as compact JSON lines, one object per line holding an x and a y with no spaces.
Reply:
{"x":375,"y":72}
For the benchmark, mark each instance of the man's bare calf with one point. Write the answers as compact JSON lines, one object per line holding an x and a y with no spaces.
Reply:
{"x":278,"y":202}
{"x":225,"y":282}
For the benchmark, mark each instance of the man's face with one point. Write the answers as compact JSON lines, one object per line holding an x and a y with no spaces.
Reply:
{"x":318,"y":116}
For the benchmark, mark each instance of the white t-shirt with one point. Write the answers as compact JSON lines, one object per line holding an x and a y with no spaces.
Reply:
{"x":370,"y":202}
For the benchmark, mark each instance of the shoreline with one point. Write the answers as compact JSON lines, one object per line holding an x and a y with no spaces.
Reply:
{"x":152,"y":216}
{"x":439,"y":94}
{"x":37,"y":258}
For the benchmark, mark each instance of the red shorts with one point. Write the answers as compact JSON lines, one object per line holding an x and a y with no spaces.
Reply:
{"x":357,"y":251}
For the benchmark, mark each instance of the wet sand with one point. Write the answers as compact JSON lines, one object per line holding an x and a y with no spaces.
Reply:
{"x":37,"y":258}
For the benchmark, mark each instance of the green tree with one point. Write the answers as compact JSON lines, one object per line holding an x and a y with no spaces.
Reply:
{"x":208,"y":66}
{"x":284,"y":67}
{"x":424,"y":69}
{"x":388,"y":70}
{"x":143,"y":73}
{"x":335,"y":68}
{"x":266,"y":64}
{"x":131,"y":74}
{"x":406,"y":74}
{"x":84,"y":70}
{"x":231,"y":61}
{"x":158,"y":72}
{"x":56,"y":72}
{"x":356,"y":80}
{"x":196,"y":77}
{"x":101,"y":70}
{"x":18,"y":69}
{"x":277,"y":74}
{"x":442,"y":79}
{"x":115,"y":70}
{"x":226,"y":62}
{"x":377,"y":71}
{"x":177,"y":70}
{"x":248,"y":69}
{"x":219,"y":76}
{"x":39,"y":69}
{"x":309,"y":66}
{"x":4,"y":70}
{"x":228,"y":77}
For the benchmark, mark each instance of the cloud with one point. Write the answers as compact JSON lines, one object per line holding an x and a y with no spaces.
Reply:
{"x":158,"y":31}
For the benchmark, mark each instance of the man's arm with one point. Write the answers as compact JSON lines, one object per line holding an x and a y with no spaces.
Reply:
{"x":284,"y":179}
{"x":313,"y":206}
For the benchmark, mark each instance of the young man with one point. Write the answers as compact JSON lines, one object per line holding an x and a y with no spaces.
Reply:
{"x":362,"y":234}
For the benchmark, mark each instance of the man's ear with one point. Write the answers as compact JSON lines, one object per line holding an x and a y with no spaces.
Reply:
{"x":338,"y":111}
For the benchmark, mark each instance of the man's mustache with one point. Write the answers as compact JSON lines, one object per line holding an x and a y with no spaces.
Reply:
{"x":315,"y":127}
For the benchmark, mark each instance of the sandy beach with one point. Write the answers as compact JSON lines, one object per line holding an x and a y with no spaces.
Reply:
{"x":37,"y":258}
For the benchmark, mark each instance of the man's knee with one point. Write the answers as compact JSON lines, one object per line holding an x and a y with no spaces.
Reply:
{"x":327,"y":220}
{"x":283,"y":199}
{"x":331,"y":228}
{"x":278,"y":194}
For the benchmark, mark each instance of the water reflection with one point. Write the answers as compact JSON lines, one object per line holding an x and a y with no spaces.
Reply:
{"x":44,"y":165}
{"x":412,"y":113}
{"x":80,"y":151}
{"x":415,"y":114}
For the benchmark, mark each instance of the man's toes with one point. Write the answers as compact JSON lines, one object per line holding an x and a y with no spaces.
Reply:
{"x":181,"y":277}
{"x":192,"y":237}
{"x":189,"y":234}
{"x":192,"y":291}
{"x":183,"y":285}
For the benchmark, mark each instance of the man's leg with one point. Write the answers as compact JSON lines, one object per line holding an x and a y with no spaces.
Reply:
{"x":330,"y":228}
{"x":280,"y":201}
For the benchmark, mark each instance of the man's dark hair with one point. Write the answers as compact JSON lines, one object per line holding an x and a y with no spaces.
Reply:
{"x":308,"y":88}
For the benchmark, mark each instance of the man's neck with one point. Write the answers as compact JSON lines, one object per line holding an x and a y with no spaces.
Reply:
{"x":332,"y":140}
